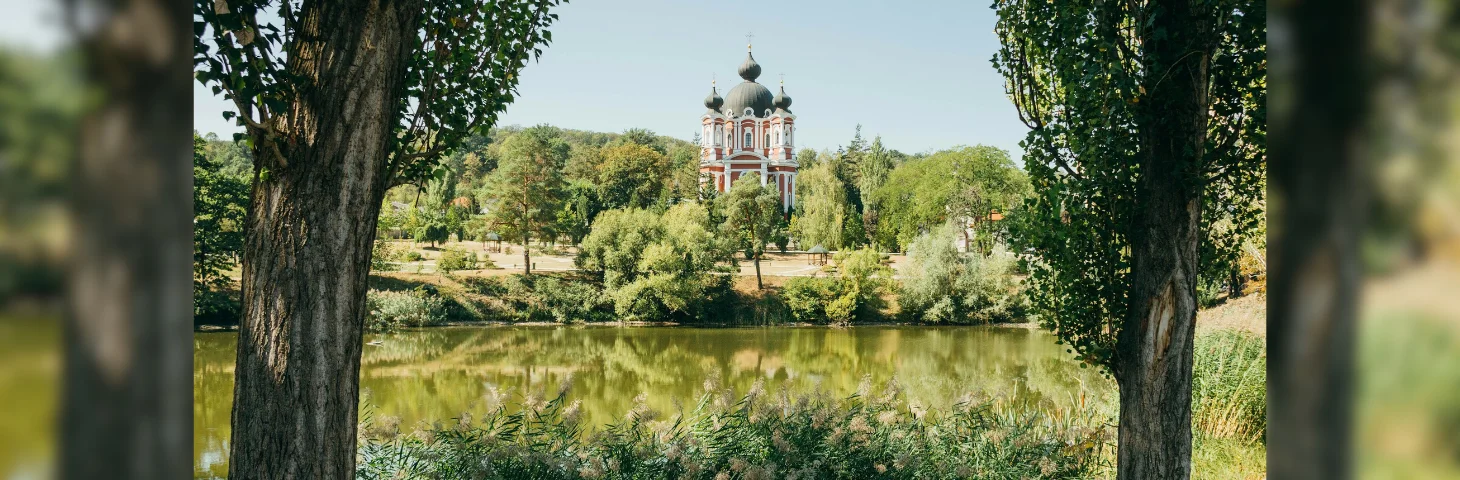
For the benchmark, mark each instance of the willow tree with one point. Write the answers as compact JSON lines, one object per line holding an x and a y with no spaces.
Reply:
{"x":1147,"y":124}
{"x":339,"y":102}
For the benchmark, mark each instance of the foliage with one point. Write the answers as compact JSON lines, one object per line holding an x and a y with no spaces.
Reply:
{"x":220,"y":205}
{"x":655,"y":267}
{"x":525,"y":192}
{"x":941,"y":285}
{"x":854,"y":294}
{"x":453,"y":259}
{"x":1079,"y":77}
{"x":760,"y":436}
{"x":245,"y":56}
{"x":429,"y":227}
{"x":949,"y":185}
{"x":807,"y":298}
{"x":385,"y":256}
{"x":580,"y":206}
{"x":390,"y":311}
{"x":632,"y":176}
{"x":753,"y":217}
{"x":549,"y":298}
{"x":822,"y":207}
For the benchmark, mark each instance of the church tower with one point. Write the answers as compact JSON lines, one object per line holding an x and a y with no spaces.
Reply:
{"x":749,"y":131}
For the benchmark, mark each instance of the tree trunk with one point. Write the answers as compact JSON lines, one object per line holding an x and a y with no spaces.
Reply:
{"x":127,"y":364}
{"x":1319,"y":177}
{"x":306,"y":259}
{"x":526,"y":257}
{"x":758,"y":284}
{"x":1154,"y":348}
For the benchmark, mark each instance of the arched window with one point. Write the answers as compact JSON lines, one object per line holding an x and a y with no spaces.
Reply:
{"x":768,"y":138}
{"x":748,"y":138}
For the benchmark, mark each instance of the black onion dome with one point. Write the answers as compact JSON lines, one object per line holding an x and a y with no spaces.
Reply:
{"x":782,"y":101}
{"x":751,"y":95}
{"x":749,"y":70}
{"x":713,"y":102}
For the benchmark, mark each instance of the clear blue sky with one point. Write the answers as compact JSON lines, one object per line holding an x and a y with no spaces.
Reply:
{"x":919,"y":77}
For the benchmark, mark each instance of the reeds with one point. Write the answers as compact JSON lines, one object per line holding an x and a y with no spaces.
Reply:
{"x":760,"y":435}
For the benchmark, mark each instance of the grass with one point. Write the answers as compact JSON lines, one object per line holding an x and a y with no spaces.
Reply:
{"x":758,"y":436}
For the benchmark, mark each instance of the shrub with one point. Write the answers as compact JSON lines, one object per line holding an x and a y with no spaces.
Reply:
{"x":452,"y":260}
{"x":385,"y":255}
{"x":413,"y":256}
{"x":548,"y":298}
{"x":941,"y":285}
{"x":853,"y":294}
{"x":390,"y":311}
{"x":807,"y":297}
{"x":869,"y":435}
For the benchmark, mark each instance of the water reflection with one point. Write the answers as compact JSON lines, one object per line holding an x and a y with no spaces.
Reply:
{"x":434,"y":375}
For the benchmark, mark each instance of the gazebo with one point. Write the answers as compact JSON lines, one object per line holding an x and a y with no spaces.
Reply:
{"x":817,"y":250}
{"x":493,"y":237}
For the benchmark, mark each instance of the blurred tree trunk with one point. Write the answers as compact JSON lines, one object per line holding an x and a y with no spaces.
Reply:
{"x":127,"y":387}
{"x":306,"y":260}
{"x":1318,"y":189}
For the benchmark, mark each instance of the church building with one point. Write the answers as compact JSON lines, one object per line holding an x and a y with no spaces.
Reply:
{"x":749,"y":131}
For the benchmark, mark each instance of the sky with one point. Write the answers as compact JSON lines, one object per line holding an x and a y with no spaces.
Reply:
{"x":918,"y":77}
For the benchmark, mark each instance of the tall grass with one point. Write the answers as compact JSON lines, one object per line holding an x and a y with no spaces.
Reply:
{"x":1229,"y":386}
{"x":758,"y":436}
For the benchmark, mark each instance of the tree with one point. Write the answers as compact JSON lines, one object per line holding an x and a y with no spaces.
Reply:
{"x":220,"y":203}
{"x":526,"y":191}
{"x":430,"y":227}
{"x":340,"y":101}
{"x":1136,"y":111}
{"x":823,"y":208}
{"x":752,"y":218}
{"x":954,"y":184}
{"x":942,"y":285}
{"x":873,"y":172}
{"x":580,"y":207}
{"x":632,"y":176}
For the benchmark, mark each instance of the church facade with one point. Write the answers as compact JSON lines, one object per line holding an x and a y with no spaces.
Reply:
{"x":749,"y":131}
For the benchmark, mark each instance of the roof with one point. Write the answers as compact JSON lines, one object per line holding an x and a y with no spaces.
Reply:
{"x":817,"y":249}
{"x":749,"y":94}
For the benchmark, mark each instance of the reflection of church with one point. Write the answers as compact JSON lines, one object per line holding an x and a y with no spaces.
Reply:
{"x":749,"y":131}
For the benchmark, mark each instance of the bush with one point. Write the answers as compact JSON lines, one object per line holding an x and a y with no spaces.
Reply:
{"x":941,"y":285}
{"x":807,"y":297}
{"x":413,"y":256}
{"x":452,"y":260}
{"x":548,"y":298}
{"x":385,"y":255}
{"x":391,"y":311}
{"x":854,"y":294}
{"x":761,"y":436}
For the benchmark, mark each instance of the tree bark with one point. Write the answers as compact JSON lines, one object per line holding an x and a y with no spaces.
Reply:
{"x":1319,"y":181}
{"x":526,"y":257}
{"x":306,"y":259}
{"x":127,"y":371}
{"x":758,"y":284}
{"x":1154,"y":349}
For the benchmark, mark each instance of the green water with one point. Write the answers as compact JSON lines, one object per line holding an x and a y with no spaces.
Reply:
{"x":435,"y":374}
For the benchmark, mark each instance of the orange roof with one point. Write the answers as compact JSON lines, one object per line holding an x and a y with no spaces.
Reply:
{"x":463,"y":202}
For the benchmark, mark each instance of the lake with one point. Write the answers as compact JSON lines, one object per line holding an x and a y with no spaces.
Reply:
{"x":432,"y":375}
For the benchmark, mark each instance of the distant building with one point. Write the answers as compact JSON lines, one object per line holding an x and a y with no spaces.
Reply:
{"x":749,"y":131}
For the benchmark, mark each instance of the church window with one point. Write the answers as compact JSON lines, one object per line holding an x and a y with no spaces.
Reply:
{"x":748,"y":138}
{"x":768,"y":138}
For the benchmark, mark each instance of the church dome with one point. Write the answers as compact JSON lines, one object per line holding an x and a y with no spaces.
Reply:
{"x":749,"y":70}
{"x":713,"y":102}
{"x":751,"y":95}
{"x":782,"y":101}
